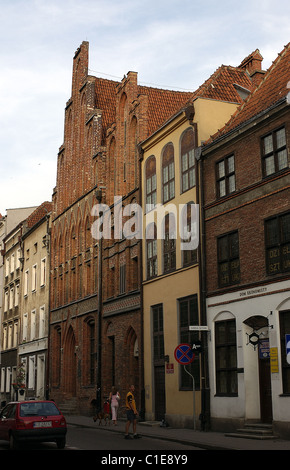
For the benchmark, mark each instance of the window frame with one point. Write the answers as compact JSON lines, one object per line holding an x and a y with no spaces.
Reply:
{"x":169,"y":245}
{"x":229,"y":259}
{"x":166,"y":161}
{"x":187,"y":149}
{"x":274,"y":152}
{"x":150,"y":175}
{"x":226,"y":177}
{"x":229,"y":369}
{"x":281,"y":243}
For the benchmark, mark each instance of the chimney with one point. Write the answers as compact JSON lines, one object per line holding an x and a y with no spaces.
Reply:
{"x":253,"y":65}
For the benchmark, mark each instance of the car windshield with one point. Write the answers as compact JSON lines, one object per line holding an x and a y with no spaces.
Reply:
{"x":38,"y":409}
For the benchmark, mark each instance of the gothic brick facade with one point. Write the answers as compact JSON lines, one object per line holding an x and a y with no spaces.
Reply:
{"x":96,"y":315}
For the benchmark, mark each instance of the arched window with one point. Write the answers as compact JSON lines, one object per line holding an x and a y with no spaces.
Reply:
{"x":151,"y":186}
{"x":189,"y":256}
{"x":151,"y":251}
{"x":187,"y":160}
{"x":168,"y":173}
{"x":169,"y":243}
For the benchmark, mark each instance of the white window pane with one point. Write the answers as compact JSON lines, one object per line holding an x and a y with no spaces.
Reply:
{"x":268,"y":144}
{"x":269,"y":165}
{"x":282,"y":159}
{"x":221,"y":169}
{"x":281,"y":138}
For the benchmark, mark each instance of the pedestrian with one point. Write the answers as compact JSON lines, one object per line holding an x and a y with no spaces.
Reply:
{"x":132,"y":413}
{"x":114,"y":400}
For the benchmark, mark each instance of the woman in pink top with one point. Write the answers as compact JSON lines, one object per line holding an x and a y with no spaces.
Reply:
{"x":114,"y":400}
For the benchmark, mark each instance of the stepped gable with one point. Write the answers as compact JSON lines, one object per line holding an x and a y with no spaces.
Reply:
{"x":38,"y":214}
{"x":271,"y":90}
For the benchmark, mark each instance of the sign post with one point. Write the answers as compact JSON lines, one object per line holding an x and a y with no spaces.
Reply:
{"x":184,"y":355}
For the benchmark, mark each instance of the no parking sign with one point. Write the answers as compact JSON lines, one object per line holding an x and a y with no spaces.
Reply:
{"x":184,"y":354}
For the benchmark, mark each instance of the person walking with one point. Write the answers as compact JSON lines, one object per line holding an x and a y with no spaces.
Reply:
{"x":132,"y":413}
{"x":114,"y":400}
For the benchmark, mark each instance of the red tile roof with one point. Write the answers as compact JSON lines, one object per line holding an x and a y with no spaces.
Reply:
{"x":38,"y":214}
{"x":221,"y":85}
{"x":162,"y":104}
{"x":270,"y":91}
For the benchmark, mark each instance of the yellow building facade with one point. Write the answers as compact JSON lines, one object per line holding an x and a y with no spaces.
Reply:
{"x":172,"y":300}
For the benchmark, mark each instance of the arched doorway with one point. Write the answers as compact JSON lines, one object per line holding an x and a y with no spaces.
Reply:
{"x":258,"y":338}
{"x":70,"y":363}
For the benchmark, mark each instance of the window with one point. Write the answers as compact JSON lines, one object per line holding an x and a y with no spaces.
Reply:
{"x":151,"y":186}
{"x":274,"y":152}
{"x":41,"y":322}
{"x":31,"y":372}
{"x":43,"y":272}
{"x":12,"y":263}
{"x":33,"y":280}
{"x":6,"y":300}
{"x":17,"y":288}
{"x":25,"y":327}
{"x":225,"y":176}
{"x":285,"y":329}
{"x":151,"y":250}
{"x":228,"y":259}
{"x":168,"y":173}
{"x":158,"y":334}
{"x":226,"y":358}
{"x":26,"y":276}
{"x":277,"y":236}
{"x":15,"y":335}
{"x":33,"y":325}
{"x":7,"y":267}
{"x":188,"y":316}
{"x":188,"y":256}
{"x":122,"y":279}
{"x":187,"y":160}
{"x":169,"y":244}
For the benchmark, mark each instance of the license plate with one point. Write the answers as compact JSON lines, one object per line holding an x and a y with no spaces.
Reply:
{"x":42,"y":424}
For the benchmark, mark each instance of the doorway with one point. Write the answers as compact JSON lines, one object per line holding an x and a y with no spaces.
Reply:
{"x":159,"y":381}
{"x":265,"y":388}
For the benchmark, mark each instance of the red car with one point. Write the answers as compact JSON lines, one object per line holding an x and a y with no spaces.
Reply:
{"x":32,"y":421}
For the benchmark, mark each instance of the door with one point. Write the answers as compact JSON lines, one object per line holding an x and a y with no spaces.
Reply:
{"x":159,"y":380}
{"x":265,"y":389}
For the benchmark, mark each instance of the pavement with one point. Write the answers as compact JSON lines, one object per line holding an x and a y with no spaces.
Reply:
{"x":207,"y":440}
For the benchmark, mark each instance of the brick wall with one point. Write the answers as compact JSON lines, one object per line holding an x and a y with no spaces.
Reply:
{"x":245,"y":210}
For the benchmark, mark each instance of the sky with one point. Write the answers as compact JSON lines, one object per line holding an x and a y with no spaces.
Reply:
{"x":172,"y":44}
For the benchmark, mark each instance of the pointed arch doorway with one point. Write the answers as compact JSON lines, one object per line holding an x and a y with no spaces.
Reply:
{"x":70,"y":364}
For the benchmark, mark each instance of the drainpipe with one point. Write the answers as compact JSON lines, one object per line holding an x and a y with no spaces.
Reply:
{"x":205,"y":390}
{"x":98,"y":195}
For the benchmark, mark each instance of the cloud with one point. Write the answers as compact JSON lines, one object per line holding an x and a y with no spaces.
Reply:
{"x":169,"y":43}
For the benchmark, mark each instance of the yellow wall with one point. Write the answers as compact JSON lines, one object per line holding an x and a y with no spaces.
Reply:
{"x":167,"y":289}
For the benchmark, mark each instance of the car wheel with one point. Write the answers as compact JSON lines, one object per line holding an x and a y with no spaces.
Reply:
{"x":60,"y":443}
{"x":13,"y":444}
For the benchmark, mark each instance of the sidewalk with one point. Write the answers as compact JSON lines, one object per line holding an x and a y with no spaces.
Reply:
{"x":206,"y":440}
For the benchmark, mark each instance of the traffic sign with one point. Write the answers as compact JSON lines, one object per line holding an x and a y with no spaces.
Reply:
{"x":184,"y":354}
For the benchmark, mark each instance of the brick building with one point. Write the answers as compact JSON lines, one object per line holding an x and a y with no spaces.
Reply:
{"x":96,"y":322}
{"x":247,"y":225}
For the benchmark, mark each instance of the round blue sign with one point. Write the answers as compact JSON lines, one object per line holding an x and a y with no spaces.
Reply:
{"x":184,"y":354}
